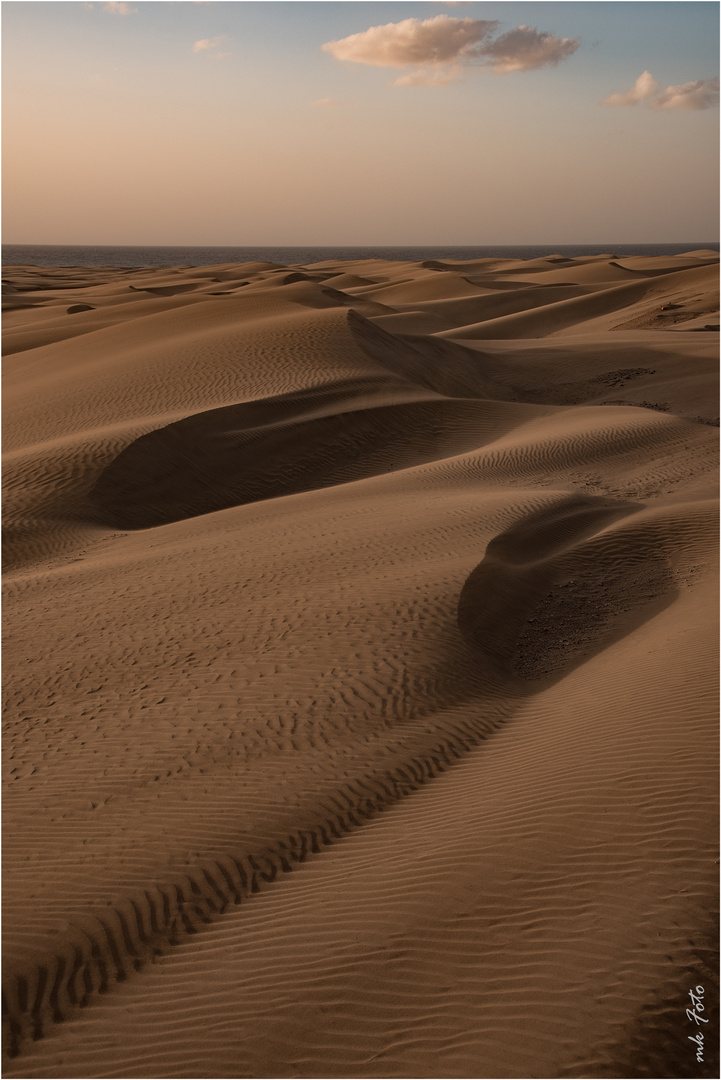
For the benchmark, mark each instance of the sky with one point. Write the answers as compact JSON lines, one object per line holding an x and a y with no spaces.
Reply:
{"x":353,"y":123}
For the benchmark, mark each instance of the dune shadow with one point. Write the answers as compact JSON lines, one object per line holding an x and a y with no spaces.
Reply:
{"x":559,"y":587}
{"x":280,"y":446}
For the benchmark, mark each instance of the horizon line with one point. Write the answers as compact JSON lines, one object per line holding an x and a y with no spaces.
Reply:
{"x":584,"y":243}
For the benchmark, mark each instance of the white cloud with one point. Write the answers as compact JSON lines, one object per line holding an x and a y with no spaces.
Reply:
{"x":644,"y":87}
{"x":412,"y":41}
{"x":441,"y":48}
{"x":210,"y":46}
{"x":117,"y":8}
{"x":430,"y":76}
{"x":702,"y":94}
{"x":207,"y":43}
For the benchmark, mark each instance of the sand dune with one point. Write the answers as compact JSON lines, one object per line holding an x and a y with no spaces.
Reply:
{"x":360,"y":668}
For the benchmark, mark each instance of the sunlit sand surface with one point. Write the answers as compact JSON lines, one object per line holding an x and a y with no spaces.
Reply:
{"x":360,"y":668}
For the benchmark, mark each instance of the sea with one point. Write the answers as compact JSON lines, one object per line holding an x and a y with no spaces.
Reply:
{"x":132,"y":257}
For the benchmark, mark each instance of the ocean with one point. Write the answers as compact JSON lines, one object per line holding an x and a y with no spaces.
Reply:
{"x":64,"y":255}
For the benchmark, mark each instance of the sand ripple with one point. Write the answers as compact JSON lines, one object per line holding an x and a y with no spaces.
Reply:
{"x":360,"y":666}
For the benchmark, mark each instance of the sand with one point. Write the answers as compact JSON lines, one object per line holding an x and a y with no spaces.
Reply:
{"x":361,"y":643}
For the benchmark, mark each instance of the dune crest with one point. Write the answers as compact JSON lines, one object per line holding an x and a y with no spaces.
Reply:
{"x":360,"y":667}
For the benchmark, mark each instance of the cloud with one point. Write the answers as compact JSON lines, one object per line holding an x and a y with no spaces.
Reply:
{"x":210,"y":46}
{"x":412,"y":41}
{"x":702,"y":94}
{"x":207,"y":43}
{"x":117,"y":8}
{"x":525,"y":49}
{"x":325,"y":102}
{"x":644,"y":87}
{"x":429,"y":76}
{"x":441,"y":48}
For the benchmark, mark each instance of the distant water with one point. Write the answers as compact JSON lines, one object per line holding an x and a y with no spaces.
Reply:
{"x":38,"y":255}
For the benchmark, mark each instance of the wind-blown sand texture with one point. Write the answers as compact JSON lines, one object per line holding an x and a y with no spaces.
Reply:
{"x":360,"y":668}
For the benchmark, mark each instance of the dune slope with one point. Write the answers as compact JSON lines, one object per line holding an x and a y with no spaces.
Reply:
{"x":360,"y":668}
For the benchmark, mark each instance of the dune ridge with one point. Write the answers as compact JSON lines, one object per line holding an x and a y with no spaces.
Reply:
{"x":360,"y":667}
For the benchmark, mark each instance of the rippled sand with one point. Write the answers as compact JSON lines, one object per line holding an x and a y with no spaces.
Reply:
{"x":360,"y":668}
